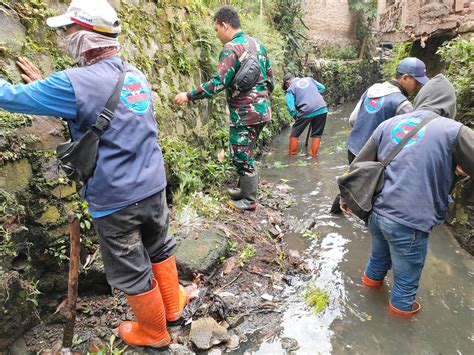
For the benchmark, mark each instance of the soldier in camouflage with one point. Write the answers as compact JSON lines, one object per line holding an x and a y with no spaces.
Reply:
{"x":249,"y":111}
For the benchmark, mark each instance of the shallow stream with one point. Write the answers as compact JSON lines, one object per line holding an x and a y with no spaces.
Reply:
{"x":357,"y":320}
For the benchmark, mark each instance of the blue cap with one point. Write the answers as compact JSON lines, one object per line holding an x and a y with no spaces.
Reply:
{"x":414,"y":67}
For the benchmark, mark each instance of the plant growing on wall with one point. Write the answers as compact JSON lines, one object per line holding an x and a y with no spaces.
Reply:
{"x":458,"y":55}
{"x":366,"y":11}
{"x":288,"y":20}
{"x":401,"y":50}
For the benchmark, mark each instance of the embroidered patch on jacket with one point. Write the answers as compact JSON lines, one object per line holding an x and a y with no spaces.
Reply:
{"x":373,"y":105}
{"x":404,"y":127}
{"x":302,"y":83}
{"x":135,"y":94}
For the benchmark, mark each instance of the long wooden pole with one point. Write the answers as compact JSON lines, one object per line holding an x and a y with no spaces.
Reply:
{"x":308,"y":134}
{"x":74,"y":263}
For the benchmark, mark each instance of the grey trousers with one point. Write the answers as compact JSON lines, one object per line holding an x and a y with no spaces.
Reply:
{"x":133,"y":238}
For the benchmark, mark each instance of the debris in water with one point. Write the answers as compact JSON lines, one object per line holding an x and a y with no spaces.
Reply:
{"x":267,"y":297}
{"x":361,"y":315}
{"x":279,"y":165}
{"x":309,"y":234}
{"x":302,"y":163}
{"x":316,"y":298}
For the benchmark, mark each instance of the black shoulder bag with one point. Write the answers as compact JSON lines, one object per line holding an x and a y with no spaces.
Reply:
{"x":366,"y":178}
{"x":249,"y":72}
{"x":78,"y":159}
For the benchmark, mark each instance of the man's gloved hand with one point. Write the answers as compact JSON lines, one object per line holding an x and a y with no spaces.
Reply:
{"x":31,"y":72}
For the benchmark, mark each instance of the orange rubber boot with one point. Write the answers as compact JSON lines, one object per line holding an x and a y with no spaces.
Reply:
{"x":149,"y":329}
{"x":414,"y":308}
{"x":293,"y":148}
{"x":173,"y":294}
{"x":371,"y":283}
{"x":315,"y":141}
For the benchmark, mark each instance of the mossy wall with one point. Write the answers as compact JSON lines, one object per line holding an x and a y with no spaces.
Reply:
{"x":345,"y":80}
{"x":174,"y":44}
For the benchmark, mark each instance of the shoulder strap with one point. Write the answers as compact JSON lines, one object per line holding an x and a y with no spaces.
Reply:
{"x":405,"y":140}
{"x":253,"y":50}
{"x":107,"y":114}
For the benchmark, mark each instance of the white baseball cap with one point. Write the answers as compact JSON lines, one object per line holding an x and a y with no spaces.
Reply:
{"x":97,"y":15}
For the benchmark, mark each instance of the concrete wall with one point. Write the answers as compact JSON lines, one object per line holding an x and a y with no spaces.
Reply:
{"x":330,"y":22}
{"x":404,"y":19}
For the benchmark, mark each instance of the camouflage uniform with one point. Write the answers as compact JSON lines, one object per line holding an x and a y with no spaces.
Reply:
{"x":249,"y":111}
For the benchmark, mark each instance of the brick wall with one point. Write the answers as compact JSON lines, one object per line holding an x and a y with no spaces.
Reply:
{"x":330,"y":22}
{"x":403,"y":19}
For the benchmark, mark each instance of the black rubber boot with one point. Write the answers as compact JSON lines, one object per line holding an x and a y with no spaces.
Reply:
{"x":336,"y":208}
{"x":235,"y":193}
{"x":248,"y":194}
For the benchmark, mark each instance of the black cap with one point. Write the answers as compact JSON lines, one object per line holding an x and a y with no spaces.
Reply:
{"x":285,"y":79}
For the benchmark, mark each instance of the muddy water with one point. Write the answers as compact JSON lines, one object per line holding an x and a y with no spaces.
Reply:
{"x":356,"y":320}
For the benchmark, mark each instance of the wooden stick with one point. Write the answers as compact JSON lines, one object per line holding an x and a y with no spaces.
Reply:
{"x":74,"y":263}
{"x":307,"y":135}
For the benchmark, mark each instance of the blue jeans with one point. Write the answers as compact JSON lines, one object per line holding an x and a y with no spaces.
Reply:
{"x":402,"y":248}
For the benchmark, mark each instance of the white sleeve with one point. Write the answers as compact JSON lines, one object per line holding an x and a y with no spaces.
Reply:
{"x":355,"y":113}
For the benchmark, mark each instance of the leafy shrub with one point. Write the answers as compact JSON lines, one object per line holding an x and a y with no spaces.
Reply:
{"x":458,"y":54}
{"x":342,"y":53}
{"x":401,"y":50}
{"x":344,"y":80}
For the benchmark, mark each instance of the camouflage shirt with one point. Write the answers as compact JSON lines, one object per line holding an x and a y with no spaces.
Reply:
{"x":246,"y":108}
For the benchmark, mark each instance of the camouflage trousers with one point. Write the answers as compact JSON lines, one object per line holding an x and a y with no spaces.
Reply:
{"x":242,"y":141}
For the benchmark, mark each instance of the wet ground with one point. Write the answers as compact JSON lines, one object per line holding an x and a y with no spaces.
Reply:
{"x":265,"y":298}
{"x":356,"y":320}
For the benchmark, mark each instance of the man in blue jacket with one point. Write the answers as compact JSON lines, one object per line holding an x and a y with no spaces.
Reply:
{"x":417,"y":184}
{"x":126,"y":193}
{"x":383,"y":101}
{"x":306,"y":106}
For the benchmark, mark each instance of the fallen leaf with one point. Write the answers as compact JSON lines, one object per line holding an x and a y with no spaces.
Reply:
{"x":229,"y":265}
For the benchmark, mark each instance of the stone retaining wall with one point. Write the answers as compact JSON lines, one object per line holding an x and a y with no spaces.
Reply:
{"x":174,"y":44}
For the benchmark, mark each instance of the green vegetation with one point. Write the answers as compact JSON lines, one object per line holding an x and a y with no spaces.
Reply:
{"x":312,"y":235}
{"x":191,"y":169}
{"x":317,"y":299}
{"x":401,"y":50}
{"x":30,"y":292}
{"x":288,"y":19}
{"x":111,"y":348}
{"x":337,"y":53}
{"x":366,"y":11}
{"x":232,"y":245}
{"x":458,"y":55}
{"x":344,"y":80}
{"x":246,"y":254}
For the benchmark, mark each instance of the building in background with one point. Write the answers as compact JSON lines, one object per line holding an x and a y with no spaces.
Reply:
{"x":429,"y":23}
{"x":330,"y":23}
{"x":399,"y":20}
